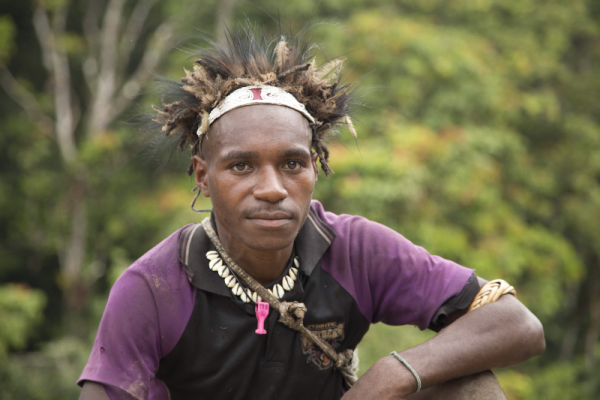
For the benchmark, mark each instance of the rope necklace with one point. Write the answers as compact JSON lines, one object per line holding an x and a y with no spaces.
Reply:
{"x":291,"y":314}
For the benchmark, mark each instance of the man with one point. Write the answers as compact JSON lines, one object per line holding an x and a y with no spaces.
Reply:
{"x":183,"y":321}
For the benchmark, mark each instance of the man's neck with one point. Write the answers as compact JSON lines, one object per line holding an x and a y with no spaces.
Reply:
{"x":263,"y":265}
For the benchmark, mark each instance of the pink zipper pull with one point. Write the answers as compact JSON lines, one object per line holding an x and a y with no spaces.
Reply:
{"x":262,"y":311}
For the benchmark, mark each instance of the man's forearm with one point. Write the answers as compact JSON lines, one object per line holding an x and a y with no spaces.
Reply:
{"x":497,"y":335}
{"x":481,"y":386}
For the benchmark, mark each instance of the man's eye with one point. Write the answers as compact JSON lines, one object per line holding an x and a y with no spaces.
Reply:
{"x":240,"y":167}
{"x":293,"y":165}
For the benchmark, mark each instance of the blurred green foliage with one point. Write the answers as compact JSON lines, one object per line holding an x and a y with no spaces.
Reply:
{"x":480,"y":141}
{"x":20,"y":312}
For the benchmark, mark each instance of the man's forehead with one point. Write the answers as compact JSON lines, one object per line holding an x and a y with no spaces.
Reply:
{"x":250,"y":154}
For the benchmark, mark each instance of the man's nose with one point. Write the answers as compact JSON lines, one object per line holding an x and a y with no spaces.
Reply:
{"x":270,"y":186}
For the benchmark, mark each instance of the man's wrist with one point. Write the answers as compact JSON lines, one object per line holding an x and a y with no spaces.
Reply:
{"x":411,"y":369}
{"x":403,"y":382}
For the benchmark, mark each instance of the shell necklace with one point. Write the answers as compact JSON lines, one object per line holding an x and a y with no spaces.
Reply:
{"x":217,"y":265}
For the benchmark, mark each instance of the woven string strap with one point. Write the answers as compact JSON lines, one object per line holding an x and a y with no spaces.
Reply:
{"x":490,"y":292}
{"x":291,"y":313}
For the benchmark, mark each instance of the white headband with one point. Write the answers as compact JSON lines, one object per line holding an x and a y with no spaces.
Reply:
{"x":250,"y":95}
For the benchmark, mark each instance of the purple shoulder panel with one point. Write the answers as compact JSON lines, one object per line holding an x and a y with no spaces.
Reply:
{"x":147,"y":311}
{"x":392,"y":280}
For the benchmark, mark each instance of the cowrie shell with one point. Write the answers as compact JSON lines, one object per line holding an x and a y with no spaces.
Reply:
{"x":223,"y":271}
{"x":255,"y":297}
{"x":296,"y":262}
{"x":239,"y":290}
{"x":230,"y":281}
{"x":287,"y":283}
{"x":278,"y":290}
{"x":270,"y":291}
{"x":211,"y":255}
{"x":293,"y":273}
{"x":215,"y":264}
{"x":244,"y":297}
{"x":235,"y":288}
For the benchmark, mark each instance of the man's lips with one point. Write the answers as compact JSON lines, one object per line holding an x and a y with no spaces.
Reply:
{"x":270,"y":220}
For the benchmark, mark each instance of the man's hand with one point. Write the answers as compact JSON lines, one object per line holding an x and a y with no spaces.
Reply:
{"x":497,"y":335}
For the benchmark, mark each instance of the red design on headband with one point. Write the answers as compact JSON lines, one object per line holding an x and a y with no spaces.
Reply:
{"x":257,"y":93}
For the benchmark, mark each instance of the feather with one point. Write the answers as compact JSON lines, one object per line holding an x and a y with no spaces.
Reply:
{"x":281,"y":52}
{"x":293,"y":70}
{"x":200,"y":72}
{"x":268,"y":78}
{"x":188,"y":79}
{"x":203,"y":128}
{"x":351,"y":127}
{"x":250,"y":57}
{"x":313,"y":65}
{"x":332,"y":67}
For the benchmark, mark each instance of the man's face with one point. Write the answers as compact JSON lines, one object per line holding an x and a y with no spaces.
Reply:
{"x":259,"y":171}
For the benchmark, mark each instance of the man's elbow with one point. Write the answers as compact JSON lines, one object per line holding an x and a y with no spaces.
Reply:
{"x":524,"y":328}
{"x":534,"y":337}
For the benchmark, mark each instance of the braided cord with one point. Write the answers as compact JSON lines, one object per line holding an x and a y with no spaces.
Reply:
{"x":491,"y":292}
{"x":290,"y":314}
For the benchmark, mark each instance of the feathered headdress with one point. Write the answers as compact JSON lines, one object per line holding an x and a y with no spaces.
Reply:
{"x":248,"y":58}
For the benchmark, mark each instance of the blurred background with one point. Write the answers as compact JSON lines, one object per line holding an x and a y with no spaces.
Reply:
{"x":480,"y":140}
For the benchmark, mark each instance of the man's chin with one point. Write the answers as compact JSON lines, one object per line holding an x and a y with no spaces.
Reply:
{"x":269,"y":241}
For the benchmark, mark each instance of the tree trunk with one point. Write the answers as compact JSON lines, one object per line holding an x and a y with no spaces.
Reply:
{"x":111,"y":39}
{"x":74,"y":250}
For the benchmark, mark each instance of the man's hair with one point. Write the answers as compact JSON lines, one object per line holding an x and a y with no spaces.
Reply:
{"x":249,"y":57}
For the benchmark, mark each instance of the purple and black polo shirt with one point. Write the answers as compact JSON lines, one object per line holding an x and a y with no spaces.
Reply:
{"x":173,"y":330}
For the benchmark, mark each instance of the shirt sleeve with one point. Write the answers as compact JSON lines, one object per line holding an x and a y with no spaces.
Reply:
{"x":456,"y":303}
{"x":393,"y":280}
{"x":126,"y":351}
{"x":146,"y":313}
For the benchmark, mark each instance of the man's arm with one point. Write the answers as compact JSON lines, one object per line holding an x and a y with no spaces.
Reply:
{"x":93,"y":391}
{"x":497,"y":335}
{"x":142,"y":322}
{"x":97,"y":391}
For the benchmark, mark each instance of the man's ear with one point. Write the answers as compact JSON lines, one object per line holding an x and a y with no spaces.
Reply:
{"x":201,"y":174}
